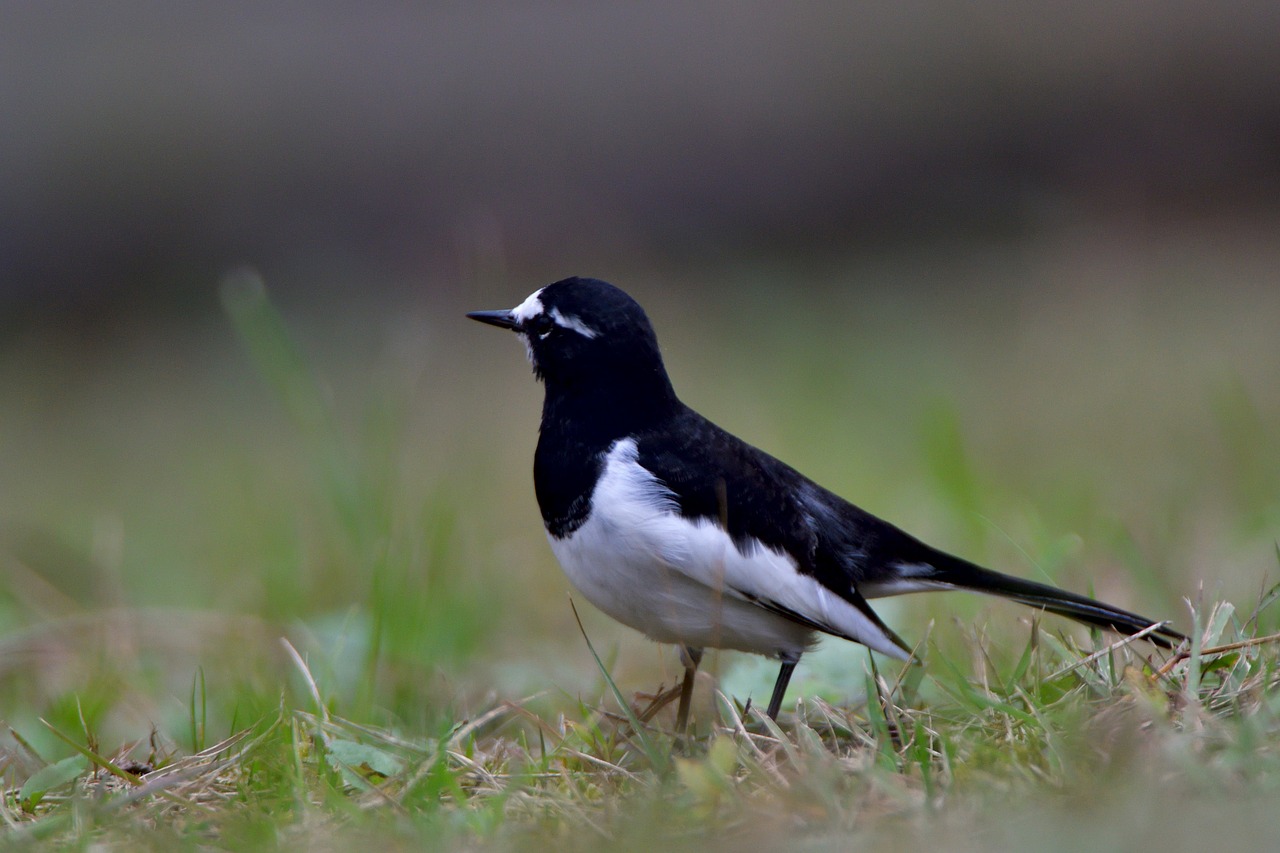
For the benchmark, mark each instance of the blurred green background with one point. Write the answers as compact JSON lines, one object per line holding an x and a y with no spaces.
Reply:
{"x":1007,"y":277}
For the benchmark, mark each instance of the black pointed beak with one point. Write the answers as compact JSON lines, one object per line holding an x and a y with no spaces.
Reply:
{"x":501,"y":319}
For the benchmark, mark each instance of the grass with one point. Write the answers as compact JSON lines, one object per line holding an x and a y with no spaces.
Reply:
{"x":313,"y":609}
{"x":1199,"y":727}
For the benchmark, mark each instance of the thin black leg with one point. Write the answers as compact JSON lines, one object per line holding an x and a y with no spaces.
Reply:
{"x":780,"y":687}
{"x":691,"y":658}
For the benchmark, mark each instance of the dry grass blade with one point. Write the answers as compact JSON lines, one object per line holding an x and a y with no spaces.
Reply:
{"x":1249,"y":643}
{"x":1121,"y":643}
{"x":471,"y":726}
{"x":745,"y":737}
{"x":306,"y":677}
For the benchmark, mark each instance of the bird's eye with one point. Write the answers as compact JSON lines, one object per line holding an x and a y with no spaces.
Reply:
{"x":540,"y":325}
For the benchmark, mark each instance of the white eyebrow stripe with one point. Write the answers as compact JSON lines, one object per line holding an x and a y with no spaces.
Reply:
{"x":570,"y":322}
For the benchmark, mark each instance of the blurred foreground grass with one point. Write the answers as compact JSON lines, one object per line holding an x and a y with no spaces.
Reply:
{"x":177,"y":498}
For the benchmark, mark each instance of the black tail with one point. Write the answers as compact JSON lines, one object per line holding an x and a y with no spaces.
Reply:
{"x":957,"y":573}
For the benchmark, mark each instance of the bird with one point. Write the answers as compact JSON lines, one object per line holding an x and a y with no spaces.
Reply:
{"x":677,"y":528}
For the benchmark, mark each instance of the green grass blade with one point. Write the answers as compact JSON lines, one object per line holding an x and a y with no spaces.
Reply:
{"x":659,"y":759}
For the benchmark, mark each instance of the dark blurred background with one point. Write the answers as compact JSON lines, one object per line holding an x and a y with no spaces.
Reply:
{"x":1005,"y":274}
{"x":149,"y":145}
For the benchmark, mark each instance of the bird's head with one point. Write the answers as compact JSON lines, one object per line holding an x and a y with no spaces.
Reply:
{"x":583,"y":333}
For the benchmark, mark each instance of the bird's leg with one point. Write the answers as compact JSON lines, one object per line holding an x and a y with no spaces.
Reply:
{"x":690,"y":657}
{"x":780,"y":687}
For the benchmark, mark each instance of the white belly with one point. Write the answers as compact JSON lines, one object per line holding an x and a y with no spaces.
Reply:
{"x":683,"y":581}
{"x":624,"y":577}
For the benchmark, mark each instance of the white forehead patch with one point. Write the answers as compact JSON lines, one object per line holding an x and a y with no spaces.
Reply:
{"x":530,"y":308}
{"x":565,"y":321}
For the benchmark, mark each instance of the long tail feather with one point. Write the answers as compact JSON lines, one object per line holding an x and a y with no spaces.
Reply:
{"x":960,"y":574}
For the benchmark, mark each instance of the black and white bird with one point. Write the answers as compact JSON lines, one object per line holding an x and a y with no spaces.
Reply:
{"x":680,"y":530}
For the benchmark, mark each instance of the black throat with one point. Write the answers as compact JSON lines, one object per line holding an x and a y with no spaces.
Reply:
{"x":582,"y":417}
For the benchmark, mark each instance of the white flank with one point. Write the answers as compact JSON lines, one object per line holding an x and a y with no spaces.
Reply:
{"x":681,"y":581}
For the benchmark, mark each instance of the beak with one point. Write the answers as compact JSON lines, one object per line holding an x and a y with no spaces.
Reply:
{"x":501,"y":319}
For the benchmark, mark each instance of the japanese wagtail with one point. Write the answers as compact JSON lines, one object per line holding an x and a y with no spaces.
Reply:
{"x":676,"y":528}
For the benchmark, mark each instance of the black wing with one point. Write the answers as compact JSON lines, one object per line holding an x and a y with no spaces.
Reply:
{"x":758,"y":498}
{"x":761,"y":501}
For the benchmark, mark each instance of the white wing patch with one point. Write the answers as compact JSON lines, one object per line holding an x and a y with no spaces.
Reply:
{"x":911,"y":577}
{"x":683,"y":581}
